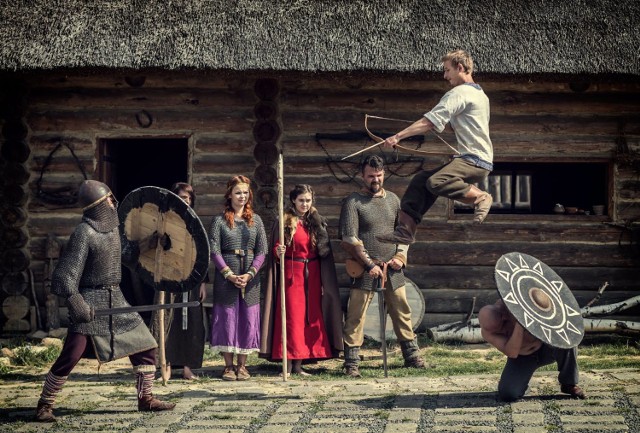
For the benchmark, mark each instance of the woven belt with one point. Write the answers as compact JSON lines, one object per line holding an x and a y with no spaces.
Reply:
{"x":99,"y":287}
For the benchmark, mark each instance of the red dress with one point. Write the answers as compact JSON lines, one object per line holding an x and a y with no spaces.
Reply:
{"x":306,"y":334}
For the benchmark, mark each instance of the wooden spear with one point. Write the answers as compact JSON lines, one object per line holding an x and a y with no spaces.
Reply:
{"x":283,"y":308}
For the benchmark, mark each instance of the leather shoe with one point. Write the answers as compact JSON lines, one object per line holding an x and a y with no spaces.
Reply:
{"x":44,"y":412}
{"x":352,"y":371}
{"x":149,"y":403}
{"x":574,"y":391}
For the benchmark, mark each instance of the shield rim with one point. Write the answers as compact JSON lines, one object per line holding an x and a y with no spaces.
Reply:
{"x":566,"y":296}
{"x":201,"y":264}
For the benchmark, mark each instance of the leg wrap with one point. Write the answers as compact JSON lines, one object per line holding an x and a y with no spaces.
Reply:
{"x":410,"y":349}
{"x":144,"y":383}
{"x":52,"y":386}
{"x":351,"y":356}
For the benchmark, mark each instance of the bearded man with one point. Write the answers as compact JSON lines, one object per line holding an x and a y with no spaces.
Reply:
{"x":366,"y":214}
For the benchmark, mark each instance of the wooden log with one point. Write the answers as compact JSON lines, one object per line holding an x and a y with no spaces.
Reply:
{"x":149,"y":99}
{"x":14,"y":237}
{"x":15,"y":194}
{"x":265,"y":110}
{"x":15,"y":151}
{"x":13,"y":216}
{"x":487,"y":253}
{"x":15,"y":172}
{"x":164,"y":121}
{"x":15,"y":307}
{"x":15,"y":260}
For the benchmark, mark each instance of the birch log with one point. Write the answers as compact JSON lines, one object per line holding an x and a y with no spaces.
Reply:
{"x":469,"y":331}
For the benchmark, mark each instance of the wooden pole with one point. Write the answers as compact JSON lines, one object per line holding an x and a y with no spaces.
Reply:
{"x":283,"y":308}
{"x":163,"y":354}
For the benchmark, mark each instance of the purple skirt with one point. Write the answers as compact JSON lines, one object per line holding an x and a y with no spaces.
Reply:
{"x":235,"y":328}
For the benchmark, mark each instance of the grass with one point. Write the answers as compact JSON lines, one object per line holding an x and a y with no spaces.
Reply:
{"x":443,"y":360}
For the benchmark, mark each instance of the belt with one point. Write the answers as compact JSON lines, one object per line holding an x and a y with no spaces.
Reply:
{"x":99,"y":287}
{"x":300,"y":259}
{"x":240,"y":253}
{"x":306,"y":282}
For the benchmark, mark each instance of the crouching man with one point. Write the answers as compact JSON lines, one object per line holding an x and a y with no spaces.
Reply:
{"x":88,"y":277}
{"x":525,"y":354}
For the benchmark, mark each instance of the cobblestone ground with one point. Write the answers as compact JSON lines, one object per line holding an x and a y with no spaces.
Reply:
{"x":468,"y":404}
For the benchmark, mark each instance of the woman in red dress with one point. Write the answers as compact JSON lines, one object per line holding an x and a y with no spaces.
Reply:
{"x":311,"y":289}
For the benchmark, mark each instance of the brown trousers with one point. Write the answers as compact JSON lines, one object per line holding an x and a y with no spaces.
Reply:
{"x":397,"y":306}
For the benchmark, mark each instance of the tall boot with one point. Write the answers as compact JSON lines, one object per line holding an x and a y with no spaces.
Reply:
{"x":481,"y":201}
{"x":52,"y":386}
{"x":411,"y":354}
{"x":144,"y":384}
{"x":351,"y":361}
{"x":404,"y":232}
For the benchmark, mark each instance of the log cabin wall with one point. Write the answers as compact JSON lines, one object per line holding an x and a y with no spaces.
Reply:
{"x":319,"y":119}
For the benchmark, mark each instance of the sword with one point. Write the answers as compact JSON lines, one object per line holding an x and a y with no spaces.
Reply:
{"x":139,"y":308}
{"x":383,"y":323}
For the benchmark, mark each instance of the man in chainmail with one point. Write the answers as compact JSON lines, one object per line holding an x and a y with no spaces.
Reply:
{"x":88,"y":277}
{"x":366,"y":214}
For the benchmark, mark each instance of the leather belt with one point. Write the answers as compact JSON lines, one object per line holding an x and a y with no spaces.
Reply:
{"x":306,"y":282}
{"x":240,"y":253}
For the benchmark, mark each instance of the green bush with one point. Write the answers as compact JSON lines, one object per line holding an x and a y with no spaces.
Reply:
{"x":26,"y":356}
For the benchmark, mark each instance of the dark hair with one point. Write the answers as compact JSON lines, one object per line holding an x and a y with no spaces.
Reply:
{"x":183,"y":186}
{"x":372,"y":161}
{"x":300,"y":189}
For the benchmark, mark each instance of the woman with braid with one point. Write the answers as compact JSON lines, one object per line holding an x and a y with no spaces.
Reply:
{"x":238,"y":250}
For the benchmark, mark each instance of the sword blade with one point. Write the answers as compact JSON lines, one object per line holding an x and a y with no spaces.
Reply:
{"x":139,"y":308}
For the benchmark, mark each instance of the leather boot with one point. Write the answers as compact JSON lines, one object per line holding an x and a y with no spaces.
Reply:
{"x":481,"y":201}
{"x":51,"y":387}
{"x":351,"y":360}
{"x":404,"y":232}
{"x":44,"y":412}
{"x":148,"y":403}
{"x":411,"y":354}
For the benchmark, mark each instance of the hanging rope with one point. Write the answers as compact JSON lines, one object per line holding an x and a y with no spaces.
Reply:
{"x":64,"y":195}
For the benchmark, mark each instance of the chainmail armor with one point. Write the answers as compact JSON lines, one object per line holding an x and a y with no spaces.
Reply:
{"x":364,"y":217}
{"x":90,"y":265}
{"x":102,"y":217}
{"x":241,"y":237}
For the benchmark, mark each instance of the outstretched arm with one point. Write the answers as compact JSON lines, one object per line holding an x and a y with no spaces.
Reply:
{"x":416,"y":128}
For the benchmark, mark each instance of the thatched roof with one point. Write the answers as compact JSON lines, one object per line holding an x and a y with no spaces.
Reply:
{"x":504,"y":36}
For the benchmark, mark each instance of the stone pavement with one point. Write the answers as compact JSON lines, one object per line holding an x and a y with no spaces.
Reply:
{"x":107,"y":403}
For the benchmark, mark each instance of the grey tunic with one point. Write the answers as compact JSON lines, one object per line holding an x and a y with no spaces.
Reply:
{"x":363,"y":217}
{"x":250,"y":239}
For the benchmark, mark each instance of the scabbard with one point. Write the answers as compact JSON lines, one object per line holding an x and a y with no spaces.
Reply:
{"x":383,"y":324}
{"x":140,"y":308}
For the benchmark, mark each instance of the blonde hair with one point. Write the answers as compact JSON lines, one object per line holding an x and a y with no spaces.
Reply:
{"x":459,"y":57}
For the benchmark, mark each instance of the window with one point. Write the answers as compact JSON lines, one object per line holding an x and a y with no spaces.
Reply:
{"x":536,"y":188}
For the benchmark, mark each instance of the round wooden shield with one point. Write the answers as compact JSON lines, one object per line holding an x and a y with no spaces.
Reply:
{"x":539,"y":300}
{"x":415,"y":298}
{"x":185,"y":261}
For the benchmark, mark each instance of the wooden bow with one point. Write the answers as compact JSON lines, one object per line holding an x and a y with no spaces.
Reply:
{"x":399,"y":148}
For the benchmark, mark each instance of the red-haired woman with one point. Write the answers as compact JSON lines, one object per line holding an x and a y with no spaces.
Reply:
{"x":238,"y":250}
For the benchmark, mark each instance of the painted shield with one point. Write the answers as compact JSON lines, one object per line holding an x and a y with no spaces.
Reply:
{"x":539,"y":299}
{"x":182,"y":263}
